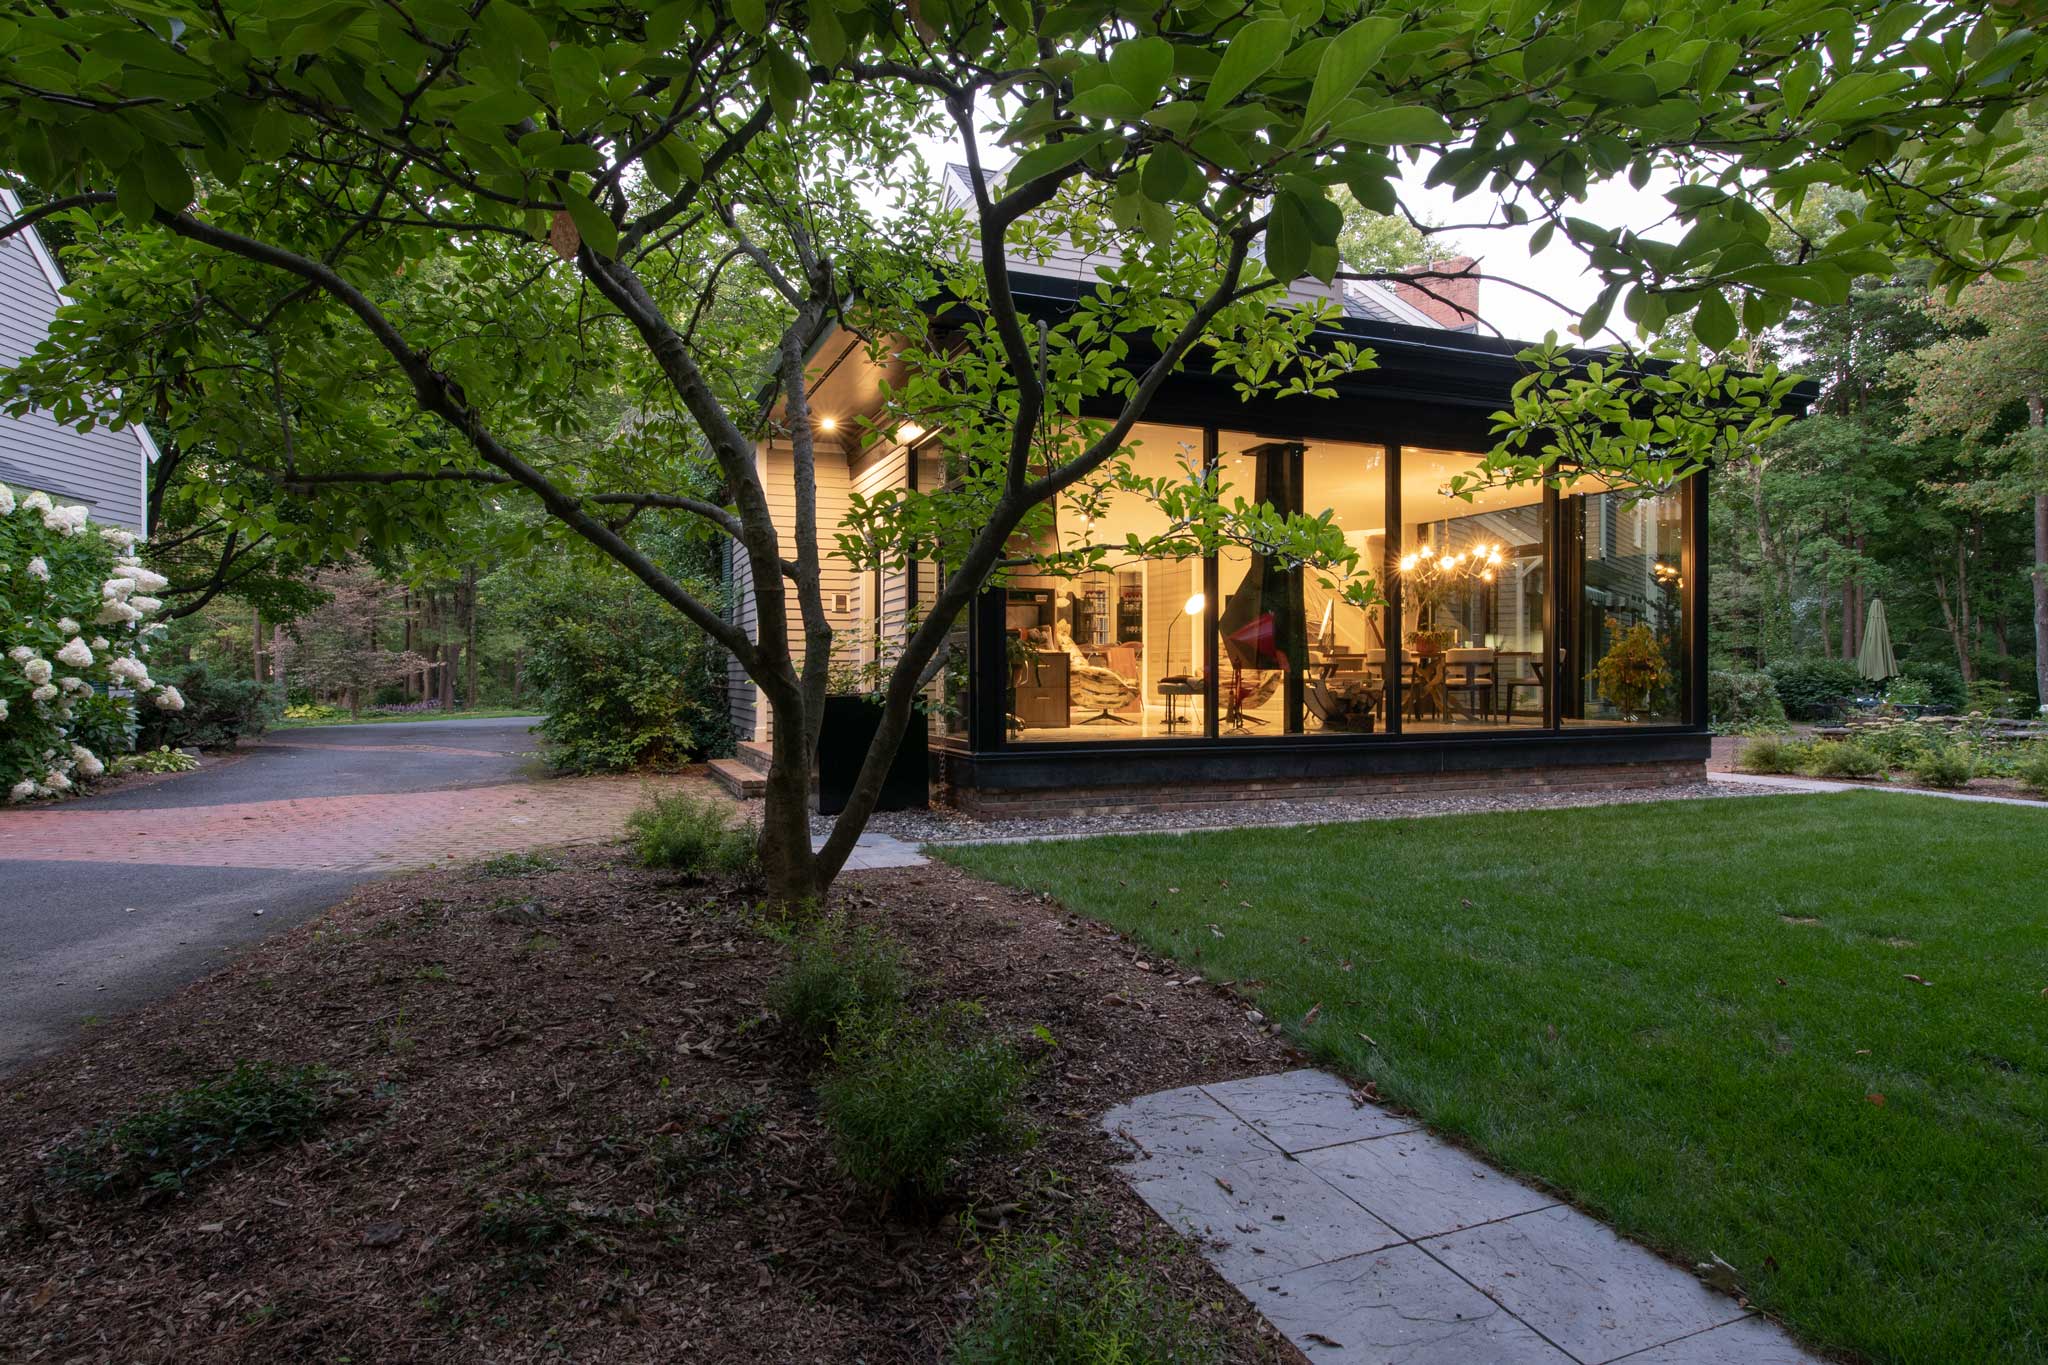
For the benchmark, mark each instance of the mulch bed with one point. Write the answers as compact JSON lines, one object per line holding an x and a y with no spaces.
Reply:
{"x":516,"y":1049}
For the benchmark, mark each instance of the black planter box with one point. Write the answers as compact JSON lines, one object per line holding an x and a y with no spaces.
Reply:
{"x":843,"y":740}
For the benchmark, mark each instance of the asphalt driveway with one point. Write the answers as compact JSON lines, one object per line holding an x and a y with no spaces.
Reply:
{"x":108,"y":902}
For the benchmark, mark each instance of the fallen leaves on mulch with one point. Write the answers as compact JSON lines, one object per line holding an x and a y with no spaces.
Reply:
{"x":570,"y":1129}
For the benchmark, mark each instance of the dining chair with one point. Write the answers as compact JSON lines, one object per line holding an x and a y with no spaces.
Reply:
{"x":1471,"y":674}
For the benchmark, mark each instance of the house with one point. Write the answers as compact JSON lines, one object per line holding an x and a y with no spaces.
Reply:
{"x":106,"y":470}
{"x":1528,"y":637}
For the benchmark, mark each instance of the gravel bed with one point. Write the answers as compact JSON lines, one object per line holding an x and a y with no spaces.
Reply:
{"x":942,"y":826}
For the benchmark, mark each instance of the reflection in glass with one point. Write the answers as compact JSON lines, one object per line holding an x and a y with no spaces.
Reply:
{"x":1472,"y":598}
{"x":1631,"y":637}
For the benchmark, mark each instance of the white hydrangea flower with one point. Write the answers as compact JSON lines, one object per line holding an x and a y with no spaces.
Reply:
{"x":66,"y":626}
{"x":147,"y":580}
{"x":99,"y":642}
{"x":75,"y":654}
{"x":56,"y":781}
{"x":3,"y":708}
{"x":46,"y":692}
{"x":130,"y":668}
{"x":146,"y":605}
{"x":88,"y":762}
{"x":114,"y":613}
{"x":37,"y":670}
{"x":72,"y":683}
{"x":21,"y":654}
{"x":118,"y":538}
{"x":22,"y":790}
{"x":6,"y":501}
{"x":36,"y":502}
{"x":168,"y":698}
{"x":38,"y":568}
{"x":67,"y":521}
{"x":117,"y":589}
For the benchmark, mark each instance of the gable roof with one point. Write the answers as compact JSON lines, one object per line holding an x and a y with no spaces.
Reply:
{"x":105,"y":469}
{"x":1358,"y":300}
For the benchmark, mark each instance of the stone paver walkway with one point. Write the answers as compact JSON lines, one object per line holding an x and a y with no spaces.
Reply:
{"x":1814,"y":784}
{"x":876,"y":852}
{"x":1365,"y":1239}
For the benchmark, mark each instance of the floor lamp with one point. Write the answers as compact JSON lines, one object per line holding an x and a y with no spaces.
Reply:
{"x":1183,"y":683}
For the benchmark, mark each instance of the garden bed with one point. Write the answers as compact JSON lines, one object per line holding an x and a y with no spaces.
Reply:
{"x":567,"y":1126}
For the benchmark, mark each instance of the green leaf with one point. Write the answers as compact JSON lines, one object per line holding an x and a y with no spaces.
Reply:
{"x":1142,"y":66}
{"x":1401,"y":125}
{"x":1049,"y":157}
{"x":828,"y":36}
{"x":131,"y":192}
{"x":1714,"y":324}
{"x":1107,"y":102}
{"x":751,"y":15}
{"x":506,"y":22}
{"x":1168,"y":174}
{"x":170,"y":184}
{"x":1289,"y":236}
{"x":1345,"y":62}
{"x":1252,"y":52}
{"x":598,"y":231}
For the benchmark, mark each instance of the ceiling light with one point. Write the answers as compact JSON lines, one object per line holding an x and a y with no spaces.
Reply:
{"x":828,"y":424}
{"x":908,"y":432}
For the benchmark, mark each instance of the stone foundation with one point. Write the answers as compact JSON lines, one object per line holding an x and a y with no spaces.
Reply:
{"x":1112,"y":800}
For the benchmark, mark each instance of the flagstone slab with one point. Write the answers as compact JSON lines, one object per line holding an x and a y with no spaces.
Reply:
{"x":1303,"y":1110}
{"x":1263,"y":1217}
{"x":1422,"y":1186}
{"x":1180,"y":1130}
{"x":1752,"y":1341}
{"x":1397,"y":1306}
{"x":1581,"y":1286}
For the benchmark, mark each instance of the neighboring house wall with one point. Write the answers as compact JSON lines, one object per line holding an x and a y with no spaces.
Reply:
{"x":104,"y":469}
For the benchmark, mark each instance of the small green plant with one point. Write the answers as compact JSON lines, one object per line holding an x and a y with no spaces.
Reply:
{"x":1634,"y":670}
{"x":1738,"y":697}
{"x":1946,"y":766}
{"x":1901,"y":743}
{"x":1904,"y":691}
{"x":162,"y":759}
{"x":161,"y":1150}
{"x":710,"y":1144}
{"x":525,"y":1220}
{"x":1773,"y":754}
{"x":1045,"y":1304}
{"x":2032,"y":769}
{"x":1815,"y":689}
{"x":687,"y":834}
{"x":313,"y":710}
{"x":911,"y":1096}
{"x":1845,"y":759}
{"x":513,"y":865}
{"x":837,"y":973}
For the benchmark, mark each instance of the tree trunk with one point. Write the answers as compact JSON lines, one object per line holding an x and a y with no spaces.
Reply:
{"x":787,"y":862}
{"x":256,"y":643}
{"x":469,"y":644}
{"x":1848,"y":618}
{"x":2037,"y":418}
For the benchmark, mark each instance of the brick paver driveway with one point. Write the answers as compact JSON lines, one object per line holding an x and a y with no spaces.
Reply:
{"x":109,"y":902}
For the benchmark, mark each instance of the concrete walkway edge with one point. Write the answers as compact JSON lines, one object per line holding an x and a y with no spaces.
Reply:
{"x":1815,"y":784}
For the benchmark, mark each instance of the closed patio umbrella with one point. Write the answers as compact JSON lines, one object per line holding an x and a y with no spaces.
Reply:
{"x":1876,"y":660}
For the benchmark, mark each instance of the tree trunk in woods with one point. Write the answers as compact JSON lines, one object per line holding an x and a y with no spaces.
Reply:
{"x":469,"y":644}
{"x":2037,"y":418}
{"x":256,"y":643}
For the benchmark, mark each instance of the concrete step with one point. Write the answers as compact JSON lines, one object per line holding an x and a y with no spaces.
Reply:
{"x":753,"y":754}
{"x":738,"y":779}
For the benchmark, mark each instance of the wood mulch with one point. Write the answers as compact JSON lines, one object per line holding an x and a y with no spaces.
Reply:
{"x":520,"y":1051}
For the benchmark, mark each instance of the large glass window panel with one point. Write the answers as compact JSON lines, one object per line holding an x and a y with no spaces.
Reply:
{"x":1113,"y":654}
{"x":1473,"y":581}
{"x":1630,"y":634}
{"x":1293,"y":656}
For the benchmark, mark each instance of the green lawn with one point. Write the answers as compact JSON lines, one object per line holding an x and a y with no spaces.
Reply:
{"x":1635,"y":1005}
{"x":375,"y":718}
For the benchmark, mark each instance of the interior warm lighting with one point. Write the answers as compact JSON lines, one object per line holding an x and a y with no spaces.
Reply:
{"x":828,"y":424}
{"x":908,"y":432}
{"x":1195,"y":604}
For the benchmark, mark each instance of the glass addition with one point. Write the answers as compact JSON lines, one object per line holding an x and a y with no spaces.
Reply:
{"x":1629,"y":642}
{"x":1472,"y":572}
{"x":1114,"y":654}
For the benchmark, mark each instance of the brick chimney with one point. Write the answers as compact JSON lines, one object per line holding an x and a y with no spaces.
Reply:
{"x":1452,"y":302}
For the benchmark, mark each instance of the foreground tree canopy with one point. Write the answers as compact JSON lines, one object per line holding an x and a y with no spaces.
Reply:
{"x":394,"y":256}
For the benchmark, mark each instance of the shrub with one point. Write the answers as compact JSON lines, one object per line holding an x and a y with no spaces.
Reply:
{"x":1945,"y":765}
{"x":160,"y":1150}
{"x":1904,"y":691}
{"x":157,"y":761}
{"x":624,"y":679}
{"x":1900,"y":743}
{"x":1774,"y":754}
{"x":104,"y":724}
{"x":73,"y":600}
{"x":1944,"y":684}
{"x":1844,"y":759}
{"x":1993,"y":698}
{"x":218,"y":711}
{"x":312,"y":710}
{"x":1044,"y":1305}
{"x":838,"y":973}
{"x":910,"y":1096}
{"x":2032,"y":769}
{"x":1743,"y":697}
{"x":1815,"y":689}
{"x":685,"y":834}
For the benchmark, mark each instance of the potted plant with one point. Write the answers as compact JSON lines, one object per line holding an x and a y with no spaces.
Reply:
{"x":853,"y":713}
{"x":1633,"y":670}
{"x":1433,"y":641}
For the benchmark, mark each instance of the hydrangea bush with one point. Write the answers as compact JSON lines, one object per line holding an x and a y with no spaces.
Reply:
{"x":75,"y":604}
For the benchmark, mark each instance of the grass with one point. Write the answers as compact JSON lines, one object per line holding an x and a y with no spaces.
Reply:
{"x":1699,"y":1019}
{"x":373,"y":717}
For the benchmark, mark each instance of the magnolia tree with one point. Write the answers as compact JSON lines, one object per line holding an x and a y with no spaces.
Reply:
{"x":74,"y":609}
{"x":443,"y":227}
